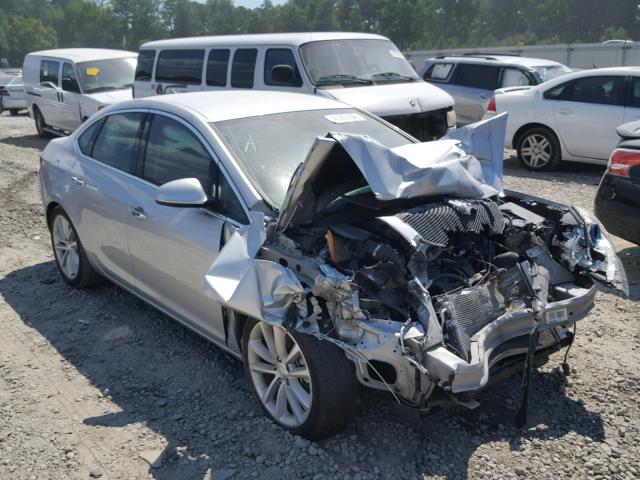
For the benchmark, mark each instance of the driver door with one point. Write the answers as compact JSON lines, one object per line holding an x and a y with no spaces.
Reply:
{"x":172,"y":248}
{"x":71,"y":97}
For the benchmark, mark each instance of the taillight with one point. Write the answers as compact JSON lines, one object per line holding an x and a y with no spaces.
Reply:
{"x":622,"y":160}
{"x":4,"y":92}
{"x":492,"y":105}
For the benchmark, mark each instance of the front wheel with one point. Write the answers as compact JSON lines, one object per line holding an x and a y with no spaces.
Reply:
{"x":305,"y":385}
{"x":539,"y":149}
{"x":40,"y":124}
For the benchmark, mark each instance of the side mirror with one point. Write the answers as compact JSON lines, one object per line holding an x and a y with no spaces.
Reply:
{"x":185,"y":192}
{"x":70,"y":85}
{"x":282,"y":74}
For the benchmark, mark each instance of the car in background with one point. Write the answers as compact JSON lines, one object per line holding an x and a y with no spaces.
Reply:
{"x":617,"y":203}
{"x":361,"y":69}
{"x":12,"y":96}
{"x":472,"y":79}
{"x":573,"y":117}
{"x":66,"y":86}
{"x":326,"y":248}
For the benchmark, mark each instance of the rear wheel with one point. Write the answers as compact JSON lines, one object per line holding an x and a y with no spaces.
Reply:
{"x":14,"y":111}
{"x":305,"y":385}
{"x":40,"y":124}
{"x":70,"y":256}
{"x":539,"y":149}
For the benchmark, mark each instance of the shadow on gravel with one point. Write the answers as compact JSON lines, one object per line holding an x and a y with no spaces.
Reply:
{"x":26,"y":141}
{"x":567,"y":172}
{"x":196,"y":397}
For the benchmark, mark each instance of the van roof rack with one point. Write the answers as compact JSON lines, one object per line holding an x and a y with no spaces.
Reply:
{"x":479,"y":54}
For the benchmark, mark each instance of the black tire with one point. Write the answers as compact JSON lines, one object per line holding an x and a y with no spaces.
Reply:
{"x":86,"y":275}
{"x":539,"y":149}
{"x":40,"y":124}
{"x":335,"y":387}
{"x":14,"y":111}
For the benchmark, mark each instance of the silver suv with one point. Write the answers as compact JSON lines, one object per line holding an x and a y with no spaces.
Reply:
{"x":472,"y":79}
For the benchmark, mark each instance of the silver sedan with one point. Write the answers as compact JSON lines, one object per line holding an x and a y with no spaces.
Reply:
{"x":323,"y":246}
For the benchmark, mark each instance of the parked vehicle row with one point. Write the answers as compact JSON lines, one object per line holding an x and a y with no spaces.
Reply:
{"x":12,"y":95}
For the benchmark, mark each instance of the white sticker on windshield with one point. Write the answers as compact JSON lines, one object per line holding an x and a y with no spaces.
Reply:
{"x":345,"y":118}
{"x":396,"y":53}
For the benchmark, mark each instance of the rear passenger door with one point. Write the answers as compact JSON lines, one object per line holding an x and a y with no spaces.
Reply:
{"x":632,"y":110}
{"x":48,"y":92}
{"x":100,"y":190}
{"x":179,"y":70}
{"x":172,"y":248}
{"x":588,"y":114}
{"x":472,"y":87}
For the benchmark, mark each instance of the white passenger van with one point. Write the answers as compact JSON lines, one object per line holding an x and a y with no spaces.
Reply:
{"x":64,"y":87}
{"x":364,"y":70}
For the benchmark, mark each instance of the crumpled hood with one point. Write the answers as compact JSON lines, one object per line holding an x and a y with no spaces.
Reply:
{"x":111,"y":97}
{"x":467,"y":163}
{"x":393,"y":99}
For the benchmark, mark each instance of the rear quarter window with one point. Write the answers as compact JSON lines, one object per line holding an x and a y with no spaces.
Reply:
{"x":484,"y":77}
{"x":144,"y":67}
{"x":180,"y":66}
{"x":438,"y":72}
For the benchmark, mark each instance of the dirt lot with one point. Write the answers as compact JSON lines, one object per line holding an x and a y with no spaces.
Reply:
{"x":96,"y":384}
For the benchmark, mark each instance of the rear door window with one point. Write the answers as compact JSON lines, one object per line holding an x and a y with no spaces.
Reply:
{"x":49,"y":71}
{"x":180,"y":66}
{"x":144,"y":68}
{"x":558,"y":93}
{"x":217,"y":66}
{"x":438,"y":72}
{"x":243,"y":68}
{"x":86,"y":140}
{"x":281,"y":56}
{"x":484,"y":77}
{"x":602,"y":90}
{"x":635,"y":93}
{"x":118,"y":141}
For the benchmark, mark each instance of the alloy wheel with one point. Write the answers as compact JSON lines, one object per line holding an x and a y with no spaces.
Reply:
{"x":280,"y":374}
{"x":65,"y":246}
{"x":536,"y":151}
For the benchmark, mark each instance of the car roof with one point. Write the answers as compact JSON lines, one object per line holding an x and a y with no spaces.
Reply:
{"x":295,"y":39}
{"x":220,"y":105}
{"x":594,"y":72}
{"x":83,"y":54}
{"x":497,"y":59}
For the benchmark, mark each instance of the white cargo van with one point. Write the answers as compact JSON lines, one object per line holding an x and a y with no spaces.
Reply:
{"x":64,"y":87}
{"x":364,"y":70}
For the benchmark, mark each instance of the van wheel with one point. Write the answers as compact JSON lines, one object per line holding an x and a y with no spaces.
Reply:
{"x":305,"y":385}
{"x":40,"y":124}
{"x":539,"y":149}
{"x":70,"y":256}
{"x":14,"y":111}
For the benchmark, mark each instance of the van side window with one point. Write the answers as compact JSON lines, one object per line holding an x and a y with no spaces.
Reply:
{"x":281,"y":56}
{"x":182,"y":66}
{"x":118,"y":141}
{"x":69,"y":79}
{"x":217,"y":66}
{"x":49,"y":71}
{"x":243,"y":68}
{"x":145,"y":65}
{"x":484,"y":77}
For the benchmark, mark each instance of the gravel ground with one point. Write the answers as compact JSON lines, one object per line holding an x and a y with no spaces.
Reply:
{"x":95,"y":384}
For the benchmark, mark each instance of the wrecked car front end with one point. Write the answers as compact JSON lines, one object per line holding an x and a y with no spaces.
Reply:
{"x":418,"y":265}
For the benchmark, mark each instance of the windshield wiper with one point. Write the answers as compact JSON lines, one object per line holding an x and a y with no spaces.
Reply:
{"x":340,"y":78}
{"x":392,"y":76}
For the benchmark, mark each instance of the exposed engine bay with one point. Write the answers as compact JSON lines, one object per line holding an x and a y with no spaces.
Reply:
{"x":424,"y":293}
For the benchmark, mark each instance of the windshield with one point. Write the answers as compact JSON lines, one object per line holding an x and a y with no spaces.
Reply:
{"x":334,"y":62}
{"x":106,"y":75}
{"x":270,"y":148}
{"x":549,"y":72}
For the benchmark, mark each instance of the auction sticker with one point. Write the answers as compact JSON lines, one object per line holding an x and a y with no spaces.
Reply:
{"x":345,"y":118}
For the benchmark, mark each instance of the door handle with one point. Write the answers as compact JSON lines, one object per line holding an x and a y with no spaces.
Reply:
{"x":139,"y":213}
{"x":565,"y":111}
{"x":78,"y":181}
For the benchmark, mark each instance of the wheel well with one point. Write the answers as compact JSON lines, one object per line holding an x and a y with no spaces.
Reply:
{"x":50,"y":208}
{"x":529,"y":126}
{"x":239,"y":321}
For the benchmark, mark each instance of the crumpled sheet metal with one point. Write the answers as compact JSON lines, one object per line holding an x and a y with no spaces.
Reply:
{"x":466,"y":164}
{"x":261,"y":289}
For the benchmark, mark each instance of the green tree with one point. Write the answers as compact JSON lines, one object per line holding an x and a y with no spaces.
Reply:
{"x":26,"y":35}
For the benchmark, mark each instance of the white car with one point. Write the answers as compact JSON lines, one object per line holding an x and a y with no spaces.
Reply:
{"x":12,"y":96}
{"x":573,"y":117}
{"x":66,"y":86}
